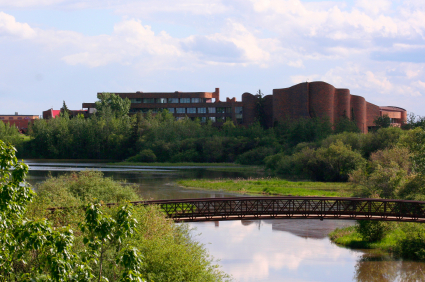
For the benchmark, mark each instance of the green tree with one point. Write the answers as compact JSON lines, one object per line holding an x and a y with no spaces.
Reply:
{"x":65,"y":112}
{"x":383,"y":121}
{"x":344,"y":124}
{"x":109,"y":103}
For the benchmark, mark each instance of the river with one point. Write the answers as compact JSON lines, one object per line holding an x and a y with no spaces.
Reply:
{"x":263,"y":250}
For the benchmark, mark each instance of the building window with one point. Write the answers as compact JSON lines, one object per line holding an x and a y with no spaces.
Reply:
{"x":171,"y":110}
{"x":173,"y":100}
{"x":179,"y":118}
{"x":185,"y":100}
{"x":238,"y":110}
{"x":211,"y":110}
{"x":145,"y":110}
{"x":221,"y":110}
{"x":203,"y":119}
{"x":160,"y":100}
{"x":1,"y":117}
{"x":202,"y":110}
{"x":10,"y":117}
{"x":148,"y":100}
{"x":238,"y":116}
{"x":220,"y":119}
{"x":196,"y":100}
{"x":180,"y":110}
{"x":191,"y":110}
{"x":228,"y":110}
{"x":212,"y":119}
{"x":208,"y":100}
{"x":136,"y":101}
{"x":19,"y":118}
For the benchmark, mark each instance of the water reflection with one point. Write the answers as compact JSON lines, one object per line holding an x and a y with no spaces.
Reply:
{"x":154,"y":183}
{"x":263,"y":250}
{"x":376,"y":268}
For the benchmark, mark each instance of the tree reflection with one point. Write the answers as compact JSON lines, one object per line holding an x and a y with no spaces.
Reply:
{"x":371,"y":268}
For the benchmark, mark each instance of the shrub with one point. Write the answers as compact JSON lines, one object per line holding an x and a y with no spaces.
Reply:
{"x":412,"y":244}
{"x":372,"y":231}
{"x":255,"y":156}
{"x":145,"y":156}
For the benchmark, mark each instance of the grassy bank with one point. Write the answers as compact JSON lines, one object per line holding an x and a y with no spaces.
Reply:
{"x":350,"y":238}
{"x":271,"y":186}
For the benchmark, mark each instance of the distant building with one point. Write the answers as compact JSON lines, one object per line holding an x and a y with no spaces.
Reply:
{"x":20,"y":121}
{"x":49,"y":114}
{"x":309,"y":99}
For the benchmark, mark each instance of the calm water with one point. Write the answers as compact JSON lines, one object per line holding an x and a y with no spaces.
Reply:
{"x":263,"y":250}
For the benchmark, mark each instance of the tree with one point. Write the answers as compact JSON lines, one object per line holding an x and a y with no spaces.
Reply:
{"x":344,"y":124}
{"x":383,"y":121}
{"x":109,"y":103}
{"x":261,"y":113}
{"x":32,"y":250}
{"x":65,"y":112}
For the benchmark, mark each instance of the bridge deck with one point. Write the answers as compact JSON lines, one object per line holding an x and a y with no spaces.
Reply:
{"x":236,"y":208}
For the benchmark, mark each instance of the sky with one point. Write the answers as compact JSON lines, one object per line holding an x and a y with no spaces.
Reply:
{"x":68,"y":50}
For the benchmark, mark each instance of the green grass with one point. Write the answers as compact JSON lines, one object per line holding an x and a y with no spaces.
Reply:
{"x":181,"y":164}
{"x":271,"y":186}
{"x":350,"y":238}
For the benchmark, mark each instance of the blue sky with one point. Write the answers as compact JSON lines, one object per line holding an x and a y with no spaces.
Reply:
{"x":68,"y":50}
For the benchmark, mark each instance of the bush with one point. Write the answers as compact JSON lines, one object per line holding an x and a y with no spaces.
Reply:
{"x":255,"y":156}
{"x":145,"y":156}
{"x":412,"y":244}
{"x":324,"y":164}
{"x":372,"y":231}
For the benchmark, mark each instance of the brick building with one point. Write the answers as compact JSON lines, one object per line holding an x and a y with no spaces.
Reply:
{"x":20,"y":121}
{"x":309,"y":99}
{"x":202,"y":105}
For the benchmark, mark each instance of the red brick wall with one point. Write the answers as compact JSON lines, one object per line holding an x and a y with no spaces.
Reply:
{"x":342,"y":102}
{"x":373,"y":111}
{"x":322,"y":98}
{"x":249,"y":102}
{"x":291,"y":102}
{"x":358,"y":104}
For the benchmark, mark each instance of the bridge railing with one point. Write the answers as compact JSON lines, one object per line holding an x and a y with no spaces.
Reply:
{"x":291,"y":207}
{"x":214,"y":209}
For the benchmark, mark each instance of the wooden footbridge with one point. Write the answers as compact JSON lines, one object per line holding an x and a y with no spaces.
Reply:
{"x":248,"y":208}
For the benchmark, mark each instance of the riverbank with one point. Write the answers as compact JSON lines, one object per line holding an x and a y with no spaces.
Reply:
{"x":271,"y":186}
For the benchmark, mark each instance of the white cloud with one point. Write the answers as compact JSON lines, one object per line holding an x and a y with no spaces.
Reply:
{"x":375,"y":6}
{"x":10,"y":27}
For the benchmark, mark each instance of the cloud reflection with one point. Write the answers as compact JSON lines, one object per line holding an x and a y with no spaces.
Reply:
{"x":254,"y":251}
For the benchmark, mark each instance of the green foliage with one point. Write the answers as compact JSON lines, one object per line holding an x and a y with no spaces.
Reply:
{"x":382,"y":121}
{"x":344,"y":124}
{"x":333,"y":163}
{"x":80,"y":188}
{"x":272,"y":186}
{"x":93,"y":243}
{"x":94,"y":138}
{"x":9,"y":133}
{"x":255,"y":156}
{"x":385,"y":175}
{"x":145,"y":156}
{"x":294,"y":132}
{"x":411,"y":244}
{"x":414,"y":140}
{"x":111,"y":104}
{"x":372,"y":231}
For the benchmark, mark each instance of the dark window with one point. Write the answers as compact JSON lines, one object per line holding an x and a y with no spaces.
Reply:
{"x":184,"y":100}
{"x":173,"y":100}
{"x":161,"y":100}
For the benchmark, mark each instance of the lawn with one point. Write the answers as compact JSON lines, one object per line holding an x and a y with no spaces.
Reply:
{"x":272,"y":186}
